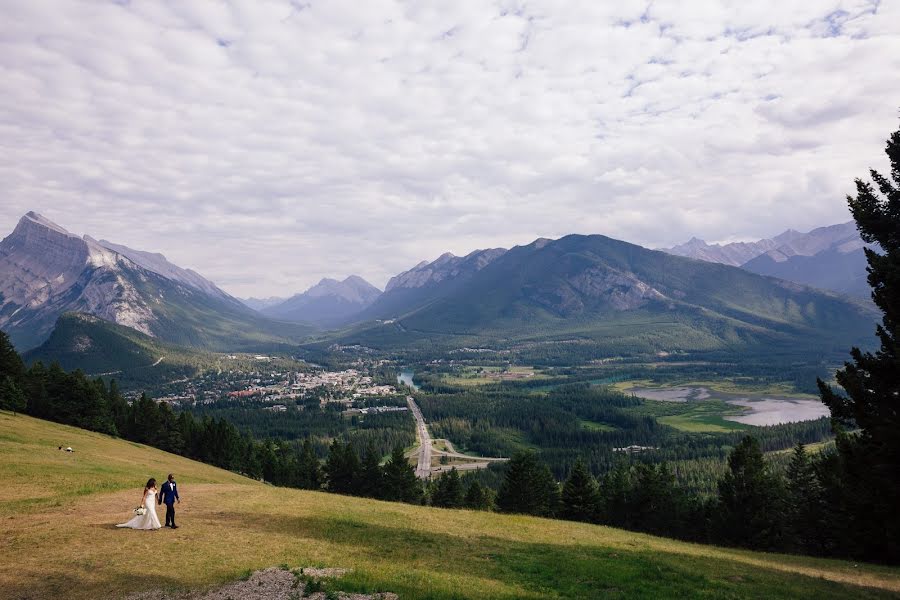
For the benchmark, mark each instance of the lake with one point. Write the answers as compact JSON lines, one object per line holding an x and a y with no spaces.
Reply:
{"x":759,"y":409}
{"x":406,"y":377}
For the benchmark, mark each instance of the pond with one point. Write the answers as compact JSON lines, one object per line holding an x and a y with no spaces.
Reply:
{"x":406,"y":377}
{"x":758,"y":409}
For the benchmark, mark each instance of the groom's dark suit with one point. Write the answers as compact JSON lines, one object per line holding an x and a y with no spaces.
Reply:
{"x":168,"y":494}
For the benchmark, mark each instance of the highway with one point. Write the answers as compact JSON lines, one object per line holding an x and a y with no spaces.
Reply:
{"x":423,"y":468}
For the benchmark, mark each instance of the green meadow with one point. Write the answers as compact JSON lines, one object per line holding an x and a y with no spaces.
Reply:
{"x":59,"y":512}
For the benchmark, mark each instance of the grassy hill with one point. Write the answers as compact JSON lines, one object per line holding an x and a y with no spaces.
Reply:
{"x":58,"y":512}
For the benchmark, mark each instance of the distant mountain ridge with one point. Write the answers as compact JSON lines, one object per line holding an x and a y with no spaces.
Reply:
{"x":329,"y":303}
{"x":416,"y":287}
{"x":261,"y":303}
{"x":45,"y":271}
{"x":614,"y":293}
{"x":830,"y":257}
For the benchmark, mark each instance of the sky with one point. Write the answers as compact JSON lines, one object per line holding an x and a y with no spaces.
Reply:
{"x":268,"y":144}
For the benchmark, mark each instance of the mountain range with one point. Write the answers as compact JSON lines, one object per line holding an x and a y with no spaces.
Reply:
{"x":596,"y":288}
{"x":46,"y":271}
{"x":610,"y":293}
{"x":830,"y":258}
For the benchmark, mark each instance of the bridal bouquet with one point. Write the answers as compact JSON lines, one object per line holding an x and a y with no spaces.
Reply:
{"x":140,"y":511}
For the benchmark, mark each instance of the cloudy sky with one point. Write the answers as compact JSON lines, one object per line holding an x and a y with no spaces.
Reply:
{"x":270,"y":143}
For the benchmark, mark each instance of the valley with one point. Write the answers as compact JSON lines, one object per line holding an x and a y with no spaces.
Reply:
{"x":459,"y":301}
{"x":647,"y":369}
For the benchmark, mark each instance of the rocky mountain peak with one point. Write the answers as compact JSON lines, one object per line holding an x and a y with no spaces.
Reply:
{"x":446,"y":266}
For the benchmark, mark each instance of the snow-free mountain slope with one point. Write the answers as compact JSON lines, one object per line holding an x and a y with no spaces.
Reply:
{"x":329,"y":303}
{"x":621,"y":296}
{"x":829,"y":258}
{"x":427,"y":280}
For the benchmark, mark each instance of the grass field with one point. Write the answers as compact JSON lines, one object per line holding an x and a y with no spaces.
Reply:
{"x":59,"y":540}
{"x":476,"y":375}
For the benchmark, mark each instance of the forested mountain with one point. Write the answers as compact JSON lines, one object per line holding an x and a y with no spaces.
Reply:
{"x":46,"y":271}
{"x":96,"y":347}
{"x":329,"y":303}
{"x":829,"y":258}
{"x":621,"y":295}
{"x":426,"y":281}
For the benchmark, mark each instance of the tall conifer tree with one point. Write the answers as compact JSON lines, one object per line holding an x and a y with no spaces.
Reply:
{"x":870,"y":458}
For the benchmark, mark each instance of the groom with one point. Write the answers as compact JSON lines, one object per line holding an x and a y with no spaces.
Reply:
{"x":169,"y":494}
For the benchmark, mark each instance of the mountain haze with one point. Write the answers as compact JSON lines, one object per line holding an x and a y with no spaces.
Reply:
{"x":829,"y":258}
{"x":329,"y":303}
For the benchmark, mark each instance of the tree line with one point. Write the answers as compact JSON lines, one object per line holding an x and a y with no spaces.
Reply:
{"x":755,"y":505}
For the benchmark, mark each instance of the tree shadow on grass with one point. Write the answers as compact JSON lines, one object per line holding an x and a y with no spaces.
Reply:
{"x":538,"y":570}
{"x":57,"y":585}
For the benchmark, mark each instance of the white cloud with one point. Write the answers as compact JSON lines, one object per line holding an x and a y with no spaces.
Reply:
{"x":267,"y":144}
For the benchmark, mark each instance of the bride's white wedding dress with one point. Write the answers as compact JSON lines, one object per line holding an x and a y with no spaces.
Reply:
{"x":148,"y":520}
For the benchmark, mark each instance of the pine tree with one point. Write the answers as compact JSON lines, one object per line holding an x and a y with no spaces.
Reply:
{"x":342,"y":468}
{"x":478,"y":497}
{"x":615,"y":496}
{"x":400,"y":482}
{"x":528,"y":488}
{"x":310,"y":475}
{"x":449,"y":492}
{"x":803,"y":504}
{"x":580,"y":494}
{"x":11,"y":396}
{"x":370,"y":475}
{"x":870,"y":458}
{"x":11,"y":364}
{"x":749,"y":507}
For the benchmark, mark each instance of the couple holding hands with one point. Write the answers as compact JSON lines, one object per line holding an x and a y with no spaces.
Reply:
{"x":145,"y":515}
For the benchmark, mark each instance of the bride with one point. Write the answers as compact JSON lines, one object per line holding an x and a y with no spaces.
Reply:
{"x":148,"y":520}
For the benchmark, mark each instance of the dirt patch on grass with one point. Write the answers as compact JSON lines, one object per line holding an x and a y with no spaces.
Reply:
{"x":270,"y":584}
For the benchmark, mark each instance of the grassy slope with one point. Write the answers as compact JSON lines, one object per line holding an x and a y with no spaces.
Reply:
{"x":59,"y":541}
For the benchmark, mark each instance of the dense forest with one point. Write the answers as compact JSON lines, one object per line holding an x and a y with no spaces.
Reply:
{"x":501,"y":420}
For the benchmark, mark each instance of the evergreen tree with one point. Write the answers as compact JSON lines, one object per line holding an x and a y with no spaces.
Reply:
{"x":529,"y":487}
{"x":870,"y":459}
{"x":370,"y":474}
{"x":11,"y":396}
{"x":749,"y":506}
{"x":615,"y":496}
{"x":478,"y":497}
{"x":400,"y":482}
{"x":117,"y":406}
{"x":11,"y":364}
{"x":803,"y":504}
{"x":657,"y":504}
{"x":342,"y":468}
{"x":310,"y":470}
{"x":580,"y":494}
{"x":449,"y":492}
